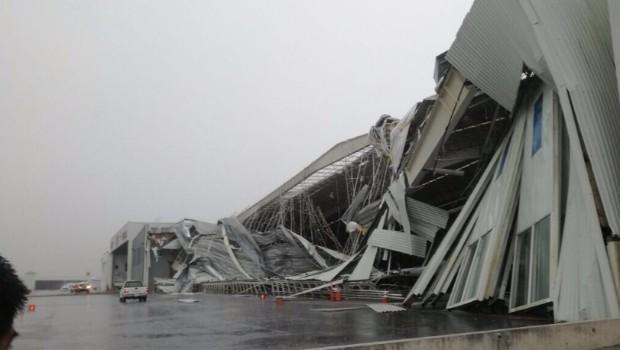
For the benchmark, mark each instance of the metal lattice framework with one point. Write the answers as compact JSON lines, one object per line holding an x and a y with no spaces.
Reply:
{"x":298,"y":209}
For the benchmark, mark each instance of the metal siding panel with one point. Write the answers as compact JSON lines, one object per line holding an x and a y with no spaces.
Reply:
{"x":614,"y":23}
{"x":585,"y":288}
{"x":399,"y":242}
{"x":584,"y":284}
{"x":426,"y":212}
{"x":574,"y":36}
{"x":397,"y":189}
{"x":391,"y":240}
{"x":326,"y":275}
{"x":381,"y":308}
{"x":309,"y":247}
{"x":364,"y":267}
{"x":613,"y":252}
{"x":454,"y":231}
{"x":503,"y":212}
{"x":232,"y":254}
{"x":424,"y":229}
{"x":497,"y":209}
{"x":536,"y":192}
{"x":454,"y":96}
{"x":399,"y":140}
{"x":568,"y":40}
{"x":418,"y":245}
{"x":491,"y":46}
{"x":392,"y":207}
{"x":452,"y":264}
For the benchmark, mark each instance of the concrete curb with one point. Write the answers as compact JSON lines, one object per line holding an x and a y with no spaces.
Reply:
{"x":574,"y":335}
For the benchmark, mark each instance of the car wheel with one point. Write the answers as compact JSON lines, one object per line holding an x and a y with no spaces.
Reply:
{"x":122,"y":300}
{"x":144,"y":299}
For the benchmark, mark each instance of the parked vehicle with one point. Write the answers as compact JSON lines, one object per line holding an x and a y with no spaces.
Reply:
{"x":81,"y":287}
{"x":133,"y":290}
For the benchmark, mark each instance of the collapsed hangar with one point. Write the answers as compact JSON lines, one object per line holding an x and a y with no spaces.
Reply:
{"x":501,"y":190}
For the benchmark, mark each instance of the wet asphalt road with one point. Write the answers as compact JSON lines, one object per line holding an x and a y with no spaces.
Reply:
{"x":227,"y":322}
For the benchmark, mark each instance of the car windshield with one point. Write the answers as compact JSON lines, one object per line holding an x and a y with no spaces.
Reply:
{"x":133,"y":284}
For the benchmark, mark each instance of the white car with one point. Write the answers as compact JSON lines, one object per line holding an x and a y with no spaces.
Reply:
{"x":133,"y":290}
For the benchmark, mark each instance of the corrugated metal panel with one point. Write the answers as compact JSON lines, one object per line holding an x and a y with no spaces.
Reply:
{"x":425,"y":212}
{"x":397,"y":191}
{"x":449,"y":274}
{"x":496,"y":213}
{"x":454,"y":231}
{"x":232,"y":254}
{"x":613,"y":251}
{"x":491,"y":46}
{"x":575,"y":40}
{"x":453,"y":99}
{"x":569,"y":44}
{"x":393,"y":208}
{"x":310,"y":248}
{"x":418,"y":245}
{"x":399,"y":242}
{"x":326,"y":275}
{"x":452,"y":264}
{"x":500,"y":212}
{"x":364,"y":267}
{"x":381,"y":308}
{"x":540,"y":187}
{"x":398,"y":137}
{"x":584,"y":284}
{"x":424,"y":229}
{"x":585,"y":288}
{"x":614,"y":23}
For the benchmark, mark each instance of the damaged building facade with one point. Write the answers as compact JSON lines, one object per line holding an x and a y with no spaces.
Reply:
{"x":500,"y":191}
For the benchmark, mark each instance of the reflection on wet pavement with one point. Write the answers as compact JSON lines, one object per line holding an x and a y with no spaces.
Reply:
{"x":228,"y":322}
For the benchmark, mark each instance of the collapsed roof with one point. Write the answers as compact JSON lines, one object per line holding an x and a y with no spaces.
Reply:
{"x":503,"y":187}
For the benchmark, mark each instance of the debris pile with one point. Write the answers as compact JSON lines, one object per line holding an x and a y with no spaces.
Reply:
{"x":229,"y":252}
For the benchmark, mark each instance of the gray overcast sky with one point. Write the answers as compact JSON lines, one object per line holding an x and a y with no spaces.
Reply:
{"x":115,"y":111}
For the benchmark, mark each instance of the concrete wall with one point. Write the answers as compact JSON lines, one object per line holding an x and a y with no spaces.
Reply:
{"x":120,"y":264}
{"x":106,"y":271}
{"x":137,"y":257}
{"x":567,"y":336}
